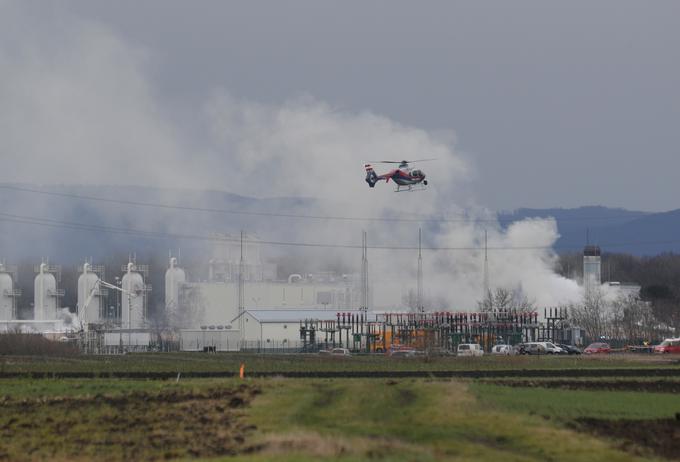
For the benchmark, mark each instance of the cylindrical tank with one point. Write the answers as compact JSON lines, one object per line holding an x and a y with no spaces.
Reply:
{"x":87,"y":282}
{"x":132,"y":305}
{"x":174,"y":277}
{"x":6,"y":298}
{"x":45,"y":293}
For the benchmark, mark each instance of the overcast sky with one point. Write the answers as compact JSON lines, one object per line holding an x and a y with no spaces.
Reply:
{"x":553,"y":103}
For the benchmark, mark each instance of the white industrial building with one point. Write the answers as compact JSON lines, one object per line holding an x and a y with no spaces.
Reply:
{"x":215,"y":303}
{"x":230,"y":256}
{"x":619,"y":289}
{"x":280,"y":328}
{"x":216,"y":337}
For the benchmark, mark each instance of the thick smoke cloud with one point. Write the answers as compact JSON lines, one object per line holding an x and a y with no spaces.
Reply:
{"x":79,"y":108}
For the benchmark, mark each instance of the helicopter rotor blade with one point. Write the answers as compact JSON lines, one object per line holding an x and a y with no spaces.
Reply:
{"x":399,"y":161}
{"x":419,"y":160}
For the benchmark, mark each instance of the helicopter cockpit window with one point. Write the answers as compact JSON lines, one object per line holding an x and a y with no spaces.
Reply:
{"x":416,"y":173}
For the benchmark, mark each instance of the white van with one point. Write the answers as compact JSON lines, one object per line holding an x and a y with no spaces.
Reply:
{"x":469,"y":349}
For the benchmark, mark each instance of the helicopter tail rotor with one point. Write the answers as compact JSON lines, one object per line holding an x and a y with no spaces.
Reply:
{"x":371,"y":176}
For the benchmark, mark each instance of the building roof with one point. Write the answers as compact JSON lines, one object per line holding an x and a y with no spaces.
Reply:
{"x":294,"y":315}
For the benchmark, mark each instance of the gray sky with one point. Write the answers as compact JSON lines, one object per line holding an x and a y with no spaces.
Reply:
{"x":553,"y":103}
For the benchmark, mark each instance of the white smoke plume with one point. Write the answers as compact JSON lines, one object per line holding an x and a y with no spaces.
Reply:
{"x":79,"y":107}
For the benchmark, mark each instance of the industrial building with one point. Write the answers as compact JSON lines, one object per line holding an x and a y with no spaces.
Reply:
{"x":279,"y":328}
{"x":217,"y":303}
{"x":216,"y":337}
{"x":233,"y":256}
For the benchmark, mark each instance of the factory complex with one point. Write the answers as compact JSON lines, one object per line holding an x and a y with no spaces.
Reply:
{"x":242,"y":306}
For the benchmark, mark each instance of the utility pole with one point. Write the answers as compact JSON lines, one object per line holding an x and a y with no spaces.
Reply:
{"x":364,"y":272}
{"x":419,"y":302}
{"x":486,"y":266}
{"x":241,"y":291}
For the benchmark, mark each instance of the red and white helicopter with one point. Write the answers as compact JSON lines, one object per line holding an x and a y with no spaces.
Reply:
{"x":406,"y":178}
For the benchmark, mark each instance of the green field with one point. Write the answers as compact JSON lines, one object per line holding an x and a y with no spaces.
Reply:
{"x":349,"y":419}
{"x":229,"y":362}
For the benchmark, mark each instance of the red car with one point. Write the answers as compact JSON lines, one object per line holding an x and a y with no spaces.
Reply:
{"x":595,"y":348}
{"x":670,"y":345}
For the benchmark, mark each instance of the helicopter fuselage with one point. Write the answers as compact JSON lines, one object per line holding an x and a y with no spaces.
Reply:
{"x":404,"y":177}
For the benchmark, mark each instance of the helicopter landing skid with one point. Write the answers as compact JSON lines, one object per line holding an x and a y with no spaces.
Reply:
{"x":410,"y":188}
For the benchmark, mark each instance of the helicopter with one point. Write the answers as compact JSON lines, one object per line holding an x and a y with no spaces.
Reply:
{"x":406,"y":178}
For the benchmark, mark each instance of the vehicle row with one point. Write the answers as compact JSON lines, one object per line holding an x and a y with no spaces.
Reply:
{"x":671,"y":345}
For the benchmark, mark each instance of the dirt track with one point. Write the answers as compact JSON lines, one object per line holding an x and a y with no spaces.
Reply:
{"x":662,"y":436}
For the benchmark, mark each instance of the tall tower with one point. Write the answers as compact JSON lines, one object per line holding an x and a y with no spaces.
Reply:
{"x":592,"y":268}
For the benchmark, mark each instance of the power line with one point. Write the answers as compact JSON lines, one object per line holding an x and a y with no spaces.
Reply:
{"x":46,"y":222}
{"x":295,"y":216}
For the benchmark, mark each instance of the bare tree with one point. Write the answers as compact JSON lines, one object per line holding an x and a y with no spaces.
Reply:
{"x":504,"y":299}
{"x":591,"y":315}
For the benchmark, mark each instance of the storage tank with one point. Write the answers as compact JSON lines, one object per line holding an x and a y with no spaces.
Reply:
{"x":86,"y":283}
{"x":174,"y":277}
{"x":45,"y":295}
{"x":7,"y":312}
{"x":132,"y":305}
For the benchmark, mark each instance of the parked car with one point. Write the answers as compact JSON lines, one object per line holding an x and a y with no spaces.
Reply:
{"x":555,"y":349}
{"x":340,"y":352}
{"x":542,"y":348}
{"x":570,"y":349}
{"x":519,"y":349}
{"x":400,"y":350}
{"x":670,"y":345}
{"x":598,"y":348}
{"x":505,"y":350}
{"x":469,"y":349}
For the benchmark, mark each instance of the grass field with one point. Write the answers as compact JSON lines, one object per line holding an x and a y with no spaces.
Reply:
{"x":419,"y":420}
{"x":284,"y":419}
{"x":229,"y":362}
